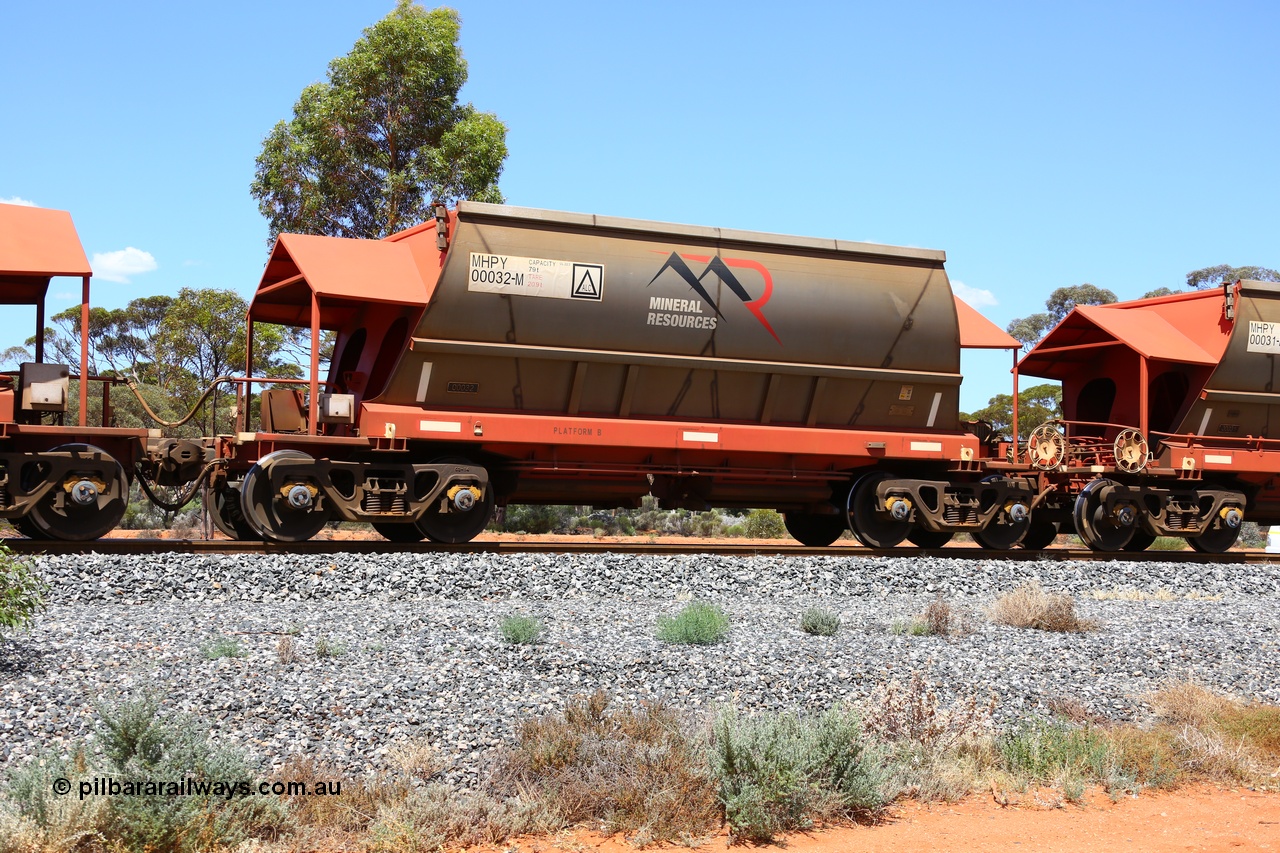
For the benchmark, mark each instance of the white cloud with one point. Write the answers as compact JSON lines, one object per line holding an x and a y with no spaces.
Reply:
{"x":119,"y":266}
{"x":65,"y":296}
{"x":976,"y":297}
{"x":17,"y":200}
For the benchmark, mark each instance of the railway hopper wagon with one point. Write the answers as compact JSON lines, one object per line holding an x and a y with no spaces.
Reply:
{"x":501,"y":354}
{"x":63,"y":474}
{"x":1169,"y":405}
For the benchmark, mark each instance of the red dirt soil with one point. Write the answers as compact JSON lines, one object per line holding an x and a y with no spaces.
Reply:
{"x":1192,"y":819}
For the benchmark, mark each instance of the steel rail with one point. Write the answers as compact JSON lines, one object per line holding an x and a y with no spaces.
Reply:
{"x":595,"y":546}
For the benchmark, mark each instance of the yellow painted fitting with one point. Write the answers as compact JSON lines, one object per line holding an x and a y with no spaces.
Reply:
{"x":475,"y":492}
{"x":288,"y":487}
{"x":70,"y":483}
{"x":892,"y":499}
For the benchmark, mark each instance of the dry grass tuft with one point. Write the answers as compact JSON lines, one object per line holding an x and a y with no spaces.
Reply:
{"x":634,"y":771}
{"x":1255,"y":728}
{"x":417,"y":759}
{"x":352,"y":812}
{"x":1187,"y":703}
{"x":1029,"y":606}
{"x":911,"y":714}
{"x":287,"y":650}
{"x":939,"y":618}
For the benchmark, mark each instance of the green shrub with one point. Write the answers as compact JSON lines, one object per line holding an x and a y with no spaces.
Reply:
{"x":779,"y":772}
{"x":819,"y":621}
{"x":22,"y":591}
{"x":521,"y":630}
{"x":136,"y":744}
{"x":1040,"y":751}
{"x":764,"y":524}
{"x":223,"y":647}
{"x":326,"y":649}
{"x":534,"y":518}
{"x":698,"y":624}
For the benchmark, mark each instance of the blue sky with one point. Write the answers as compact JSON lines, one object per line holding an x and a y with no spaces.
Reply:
{"x":1040,"y":145}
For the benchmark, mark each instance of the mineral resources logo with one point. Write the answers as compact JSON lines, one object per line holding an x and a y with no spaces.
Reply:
{"x":688,"y":313}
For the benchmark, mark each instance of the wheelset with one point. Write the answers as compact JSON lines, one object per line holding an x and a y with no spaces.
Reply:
{"x":85,"y":505}
{"x":462,"y":513}
{"x":1098,"y":528}
{"x":876,"y":526}
{"x":815,"y":531}
{"x":292,"y":513}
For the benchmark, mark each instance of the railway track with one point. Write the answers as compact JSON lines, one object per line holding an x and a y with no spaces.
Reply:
{"x":562,"y":546}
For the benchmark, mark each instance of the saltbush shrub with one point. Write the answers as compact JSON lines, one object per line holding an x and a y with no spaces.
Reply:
{"x":819,"y":621}
{"x":521,"y":630}
{"x":22,"y":591}
{"x":779,"y":772}
{"x":134,"y":743}
{"x":698,"y":624}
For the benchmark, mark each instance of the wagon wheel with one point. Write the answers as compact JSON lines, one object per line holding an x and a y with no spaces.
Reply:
{"x":89,"y":508}
{"x":1097,"y":528}
{"x":291,"y":517}
{"x":26,"y":527}
{"x":447,"y":524}
{"x":1040,"y":535}
{"x":816,"y":531}
{"x":1215,"y":540}
{"x":874,"y":527}
{"x":1046,"y":447}
{"x":1001,"y":533}
{"x":399,"y":532}
{"x":1141,"y":541}
{"x":228,"y":516}
{"x":1131,"y":451}
{"x":922,"y":538}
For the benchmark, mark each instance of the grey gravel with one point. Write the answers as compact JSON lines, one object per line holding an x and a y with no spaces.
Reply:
{"x":419,"y":654}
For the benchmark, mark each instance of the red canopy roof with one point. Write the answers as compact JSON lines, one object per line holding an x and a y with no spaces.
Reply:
{"x":341,"y":272}
{"x":977,"y":332}
{"x":35,"y":244}
{"x":1185,"y":327}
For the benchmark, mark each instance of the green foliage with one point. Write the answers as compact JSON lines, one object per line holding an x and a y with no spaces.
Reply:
{"x":22,"y":591}
{"x":764,"y":524}
{"x":1223,"y":273}
{"x":1031,"y":329}
{"x":174,"y":347}
{"x":536,"y":518}
{"x":367,"y":152}
{"x":698,"y":624}
{"x":135,"y":744}
{"x":326,"y":649}
{"x":1159,"y":291}
{"x":1042,"y":751}
{"x":222,"y":647}
{"x":820,"y":621}
{"x":777,"y":772}
{"x":521,"y":630}
{"x":1036,"y":405}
